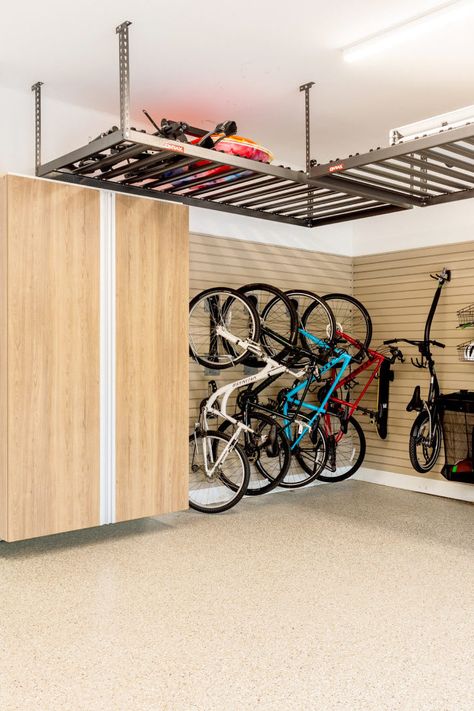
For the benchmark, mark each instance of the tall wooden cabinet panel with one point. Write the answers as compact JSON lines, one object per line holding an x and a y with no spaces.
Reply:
{"x":152,"y":357}
{"x":49,"y":366}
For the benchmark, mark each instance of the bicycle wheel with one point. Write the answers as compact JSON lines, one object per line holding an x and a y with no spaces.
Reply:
{"x":267,"y":450}
{"x":323,"y":324}
{"x":213,"y":489}
{"x":220,"y":307}
{"x":346,"y":445}
{"x":278,"y":321}
{"x":351,"y":318}
{"x":311,"y":456}
{"x":423,"y":449}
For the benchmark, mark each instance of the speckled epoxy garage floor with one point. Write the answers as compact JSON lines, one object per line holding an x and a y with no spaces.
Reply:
{"x":350,"y":596}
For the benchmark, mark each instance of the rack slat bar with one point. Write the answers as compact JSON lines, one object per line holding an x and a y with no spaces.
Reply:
{"x":451,"y":197}
{"x":360,"y":214}
{"x":350,"y":205}
{"x":153,"y":173}
{"x":459,"y":150}
{"x":275,"y":193}
{"x":297,"y":200}
{"x":184,"y":176}
{"x":327,"y":201}
{"x":452,"y":160}
{"x":238,"y":185}
{"x":126,"y":169}
{"x":440,"y":169}
{"x":403,"y":175}
{"x":434,"y":180}
{"x":204,"y":181}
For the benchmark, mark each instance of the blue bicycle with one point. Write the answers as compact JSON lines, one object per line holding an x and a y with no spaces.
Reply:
{"x":308,"y":441}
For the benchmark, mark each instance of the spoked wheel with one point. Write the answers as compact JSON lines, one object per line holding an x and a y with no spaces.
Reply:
{"x":218,"y":474}
{"x":309,"y":459}
{"x":346,"y":448}
{"x":351,"y":318}
{"x":267,"y":450}
{"x":323,"y":325}
{"x":278,"y":321}
{"x":226,"y":308}
{"x":423,"y":448}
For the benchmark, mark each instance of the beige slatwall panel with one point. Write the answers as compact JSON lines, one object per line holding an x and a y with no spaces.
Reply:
{"x":397,"y":290}
{"x":219,"y":261}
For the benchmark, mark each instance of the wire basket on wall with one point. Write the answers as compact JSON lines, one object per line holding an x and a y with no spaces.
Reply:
{"x":457,"y":417}
{"x":466,"y":316}
{"x":466,"y":352}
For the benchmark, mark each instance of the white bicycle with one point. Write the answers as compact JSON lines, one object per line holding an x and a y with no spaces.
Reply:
{"x":256,"y":456}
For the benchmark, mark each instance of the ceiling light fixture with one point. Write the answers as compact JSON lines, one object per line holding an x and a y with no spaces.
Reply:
{"x":408,"y":29}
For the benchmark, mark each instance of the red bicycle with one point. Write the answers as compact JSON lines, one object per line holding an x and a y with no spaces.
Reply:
{"x":345,"y":436}
{"x":346,"y":439}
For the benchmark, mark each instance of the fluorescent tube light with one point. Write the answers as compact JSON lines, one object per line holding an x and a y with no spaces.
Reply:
{"x":408,"y":30}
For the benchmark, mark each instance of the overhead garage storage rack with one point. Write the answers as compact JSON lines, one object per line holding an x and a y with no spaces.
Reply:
{"x":422,"y":172}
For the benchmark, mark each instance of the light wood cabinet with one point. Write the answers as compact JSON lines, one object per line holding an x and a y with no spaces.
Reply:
{"x":51,"y":319}
{"x":152,"y":392}
{"x":49,"y":254}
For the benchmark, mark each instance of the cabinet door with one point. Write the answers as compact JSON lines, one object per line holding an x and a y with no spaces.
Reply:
{"x":53,"y":357}
{"x":152,"y":357}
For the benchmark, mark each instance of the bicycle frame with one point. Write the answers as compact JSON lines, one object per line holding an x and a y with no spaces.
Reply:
{"x":341,"y":358}
{"x":374,"y":360}
{"x":272,"y":368}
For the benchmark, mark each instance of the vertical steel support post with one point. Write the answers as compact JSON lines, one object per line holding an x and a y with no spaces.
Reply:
{"x":124,"y":67}
{"x":306,"y":88}
{"x":37,"y":89}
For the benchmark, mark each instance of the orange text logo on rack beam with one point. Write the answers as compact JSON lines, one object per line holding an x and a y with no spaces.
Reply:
{"x":173,"y":147}
{"x":334,"y":168}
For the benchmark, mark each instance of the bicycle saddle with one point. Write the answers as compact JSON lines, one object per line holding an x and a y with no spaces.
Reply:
{"x":416,"y":403}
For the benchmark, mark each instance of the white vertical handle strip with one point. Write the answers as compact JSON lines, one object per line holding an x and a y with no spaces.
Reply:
{"x":107,"y":357}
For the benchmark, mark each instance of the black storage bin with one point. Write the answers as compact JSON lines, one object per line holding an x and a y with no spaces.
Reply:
{"x":457,"y":417}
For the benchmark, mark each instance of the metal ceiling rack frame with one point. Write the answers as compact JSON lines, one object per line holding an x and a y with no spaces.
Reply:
{"x":426,"y":171}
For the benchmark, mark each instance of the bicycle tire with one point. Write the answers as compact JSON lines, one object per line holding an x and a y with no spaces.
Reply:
{"x":260,"y":455}
{"x":236,"y":492}
{"x":421,"y":420}
{"x":226,"y":307}
{"x":277,"y":316}
{"x":352,"y":441}
{"x":323,"y":322}
{"x":306,"y":474}
{"x":352,"y":318}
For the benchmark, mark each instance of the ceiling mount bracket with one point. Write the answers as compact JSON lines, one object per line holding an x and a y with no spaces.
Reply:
{"x":307,"y":120}
{"x":307,"y":117}
{"x":124,"y":69}
{"x":37,"y":90}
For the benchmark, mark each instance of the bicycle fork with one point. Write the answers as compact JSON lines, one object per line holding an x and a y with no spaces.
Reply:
{"x":209,"y":453}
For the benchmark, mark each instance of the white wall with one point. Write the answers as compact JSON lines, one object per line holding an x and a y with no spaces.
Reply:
{"x":420,"y":227}
{"x":66,"y":127}
{"x":335,"y":239}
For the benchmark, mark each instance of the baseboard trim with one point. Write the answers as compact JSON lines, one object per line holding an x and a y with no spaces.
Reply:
{"x":435,"y":487}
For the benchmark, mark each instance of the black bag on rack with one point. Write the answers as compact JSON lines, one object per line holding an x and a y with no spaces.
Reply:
{"x":457,"y":418}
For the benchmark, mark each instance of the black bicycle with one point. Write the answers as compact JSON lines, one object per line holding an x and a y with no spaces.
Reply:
{"x":426,"y":432}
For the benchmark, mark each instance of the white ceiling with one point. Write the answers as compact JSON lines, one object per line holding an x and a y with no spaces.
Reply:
{"x":203,"y":62}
